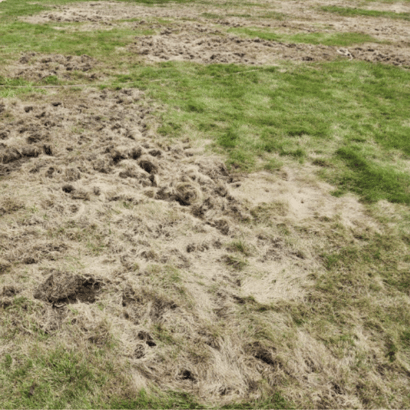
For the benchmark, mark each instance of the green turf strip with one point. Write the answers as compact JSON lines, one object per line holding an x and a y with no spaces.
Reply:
{"x":349,"y":11}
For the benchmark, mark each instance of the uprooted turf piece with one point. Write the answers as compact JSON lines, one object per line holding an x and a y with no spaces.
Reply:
{"x":60,"y":288}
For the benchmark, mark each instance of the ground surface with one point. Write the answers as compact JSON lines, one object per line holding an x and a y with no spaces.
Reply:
{"x":204,"y":204}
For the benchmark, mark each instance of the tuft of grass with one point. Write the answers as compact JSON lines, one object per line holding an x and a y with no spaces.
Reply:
{"x":236,"y":262}
{"x":239,"y":246}
{"x":11,"y":87}
{"x":266,"y":213}
{"x":349,"y":12}
{"x":272,"y":15}
{"x":210,"y":15}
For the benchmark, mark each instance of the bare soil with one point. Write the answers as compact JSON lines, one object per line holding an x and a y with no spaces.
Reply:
{"x":197,"y":43}
{"x":35,"y":67}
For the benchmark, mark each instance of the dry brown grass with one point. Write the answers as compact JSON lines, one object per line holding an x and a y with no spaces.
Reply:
{"x":186,"y":301}
{"x":130,"y":262}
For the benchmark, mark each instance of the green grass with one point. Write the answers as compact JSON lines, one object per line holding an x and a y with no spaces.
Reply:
{"x":239,"y":246}
{"x":371,"y":181}
{"x":41,"y":372}
{"x":20,"y":36}
{"x":276,"y":401}
{"x":56,"y":379}
{"x":63,"y":378}
{"x":159,"y":400}
{"x":252,"y":114}
{"x":11,"y":87}
{"x":349,"y":12}
{"x":327,"y":39}
{"x":357,"y":267}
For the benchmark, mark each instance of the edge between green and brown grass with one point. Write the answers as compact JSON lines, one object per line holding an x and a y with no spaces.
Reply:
{"x":357,"y":123}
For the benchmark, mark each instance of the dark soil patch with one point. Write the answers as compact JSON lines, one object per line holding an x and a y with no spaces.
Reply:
{"x":60,"y":288}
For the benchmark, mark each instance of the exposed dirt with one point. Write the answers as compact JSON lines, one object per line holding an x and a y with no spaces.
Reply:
{"x":307,"y":14}
{"x":199,"y":44}
{"x":35,"y":67}
{"x":211,"y":47}
{"x":109,"y":12}
{"x":60,"y":288}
